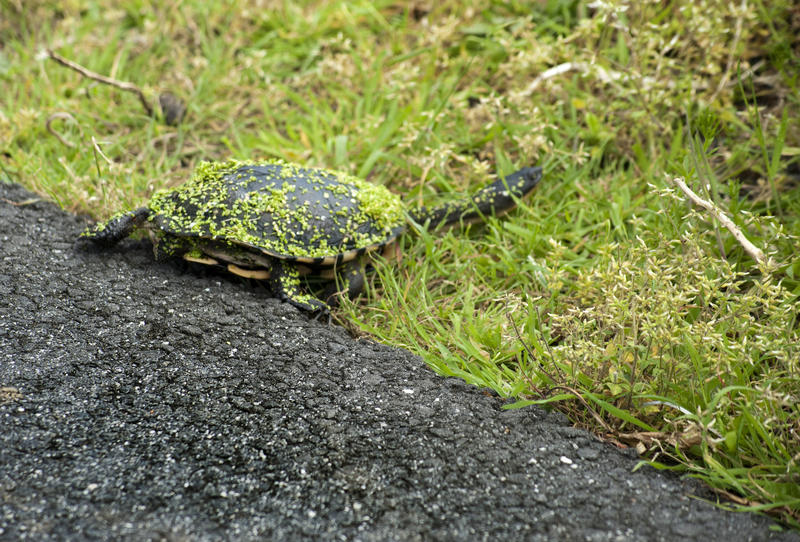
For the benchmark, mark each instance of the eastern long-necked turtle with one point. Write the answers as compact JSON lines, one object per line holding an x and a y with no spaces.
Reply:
{"x":275,"y":220}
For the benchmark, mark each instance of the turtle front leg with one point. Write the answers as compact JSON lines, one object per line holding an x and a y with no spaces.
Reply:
{"x":352,"y":276}
{"x":285,"y":283}
{"x":118,"y":227}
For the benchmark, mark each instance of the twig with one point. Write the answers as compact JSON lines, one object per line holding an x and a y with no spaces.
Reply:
{"x":99,"y":151}
{"x":723,"y":219}
{"x":606,"y":76}
{"x":65,"y":116}
{"x":779,"y":512}
{"x":22,"y":203}
{"x":123,"y":85}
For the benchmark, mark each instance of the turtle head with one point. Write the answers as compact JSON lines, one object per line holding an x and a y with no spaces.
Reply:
{"x":502,"y":195}
{"x":497,"y":198}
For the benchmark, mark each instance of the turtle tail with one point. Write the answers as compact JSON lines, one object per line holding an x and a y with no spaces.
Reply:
{"x":497,"y":198}
{"x":118,"y":227}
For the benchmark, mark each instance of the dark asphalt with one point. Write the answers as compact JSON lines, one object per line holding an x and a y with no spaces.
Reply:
{"x":146,"y":401}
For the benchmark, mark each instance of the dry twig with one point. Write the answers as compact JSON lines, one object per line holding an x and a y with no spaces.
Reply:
{"x":123,"y":85}
{"x":64,"y":116}
{"x":723,"y":219}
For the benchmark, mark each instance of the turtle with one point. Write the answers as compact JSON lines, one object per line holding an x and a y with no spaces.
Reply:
{"x":278,"y":221}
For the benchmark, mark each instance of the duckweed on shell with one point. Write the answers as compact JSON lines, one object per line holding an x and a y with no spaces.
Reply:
{"x":280,"y":208}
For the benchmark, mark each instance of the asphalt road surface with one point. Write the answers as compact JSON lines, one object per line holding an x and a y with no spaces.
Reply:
{"x":151,"y":401}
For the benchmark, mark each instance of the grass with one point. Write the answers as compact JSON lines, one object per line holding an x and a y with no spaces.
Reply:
{"x":605,"y":295}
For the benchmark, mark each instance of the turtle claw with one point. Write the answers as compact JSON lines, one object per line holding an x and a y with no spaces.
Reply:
{"x":326,"y":314}
{"x":285,"y":282}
